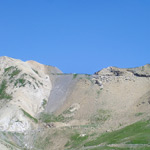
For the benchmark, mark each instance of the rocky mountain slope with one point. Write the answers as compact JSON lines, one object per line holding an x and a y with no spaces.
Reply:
{"x":42,"y":108}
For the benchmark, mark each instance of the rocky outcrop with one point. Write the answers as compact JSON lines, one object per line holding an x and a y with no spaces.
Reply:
{"x":113,"y":71}
{"x":24,"y":91}
{"x":143,"y":71}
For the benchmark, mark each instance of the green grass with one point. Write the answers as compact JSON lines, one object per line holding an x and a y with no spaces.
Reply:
{"x":67,"y":111}
{"x":137,"y":133}
{"x":107,"y":148}
{"x":139,"y":114}
{"x":3,"y":94}
{"x":8,"y":137}
{"x":118,"y":148}
{"x":20,"y":81}
{"x":8,"y":69}
{"x":76,"y":140}
{"x":88,"y":77}
{"x":43,"y":142}
{"x":29,"y":116}
{"x":44,"y":103}
{"x":75,"y":75}
{"x":13,"y":71}
{"x":3,"y":86}
{"x":51,"y":118}
{"x":101,"y":116}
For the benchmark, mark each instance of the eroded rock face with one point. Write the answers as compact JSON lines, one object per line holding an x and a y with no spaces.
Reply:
{"x":143,"y":71}
{"x":113,"y":71}
{"x":24,"y":91}
{"x":120,"y":74}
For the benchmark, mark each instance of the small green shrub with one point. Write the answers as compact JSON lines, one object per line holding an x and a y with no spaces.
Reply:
{"x":76,"y":140}
{"x":44,"y":103}
{"x":101,"y":116}
{"x":8,"y":69}
{"x":67,"y":111}
{"x":138,"y":114}
{"x":29,"y":116}
{"x":89,"y":77}
{"x":13,"y":71}
{"x":21,"y":82}
{"x":3,"y":86}
{"x":75,"y":75}
{"x":51,"y":118}
{"x":3,"y":94}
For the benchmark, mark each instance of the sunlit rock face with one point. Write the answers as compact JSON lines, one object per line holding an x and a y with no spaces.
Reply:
{"x":24,"y":90}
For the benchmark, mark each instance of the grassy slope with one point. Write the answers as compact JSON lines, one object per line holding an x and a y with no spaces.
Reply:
{"x":135,"y":136}
{"x":137,"y":133}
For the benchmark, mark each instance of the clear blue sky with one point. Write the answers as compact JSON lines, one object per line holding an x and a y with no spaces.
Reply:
{"x":77,"y":36}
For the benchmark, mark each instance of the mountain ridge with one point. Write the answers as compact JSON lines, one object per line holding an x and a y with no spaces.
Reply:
{"x":37,"y":101}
